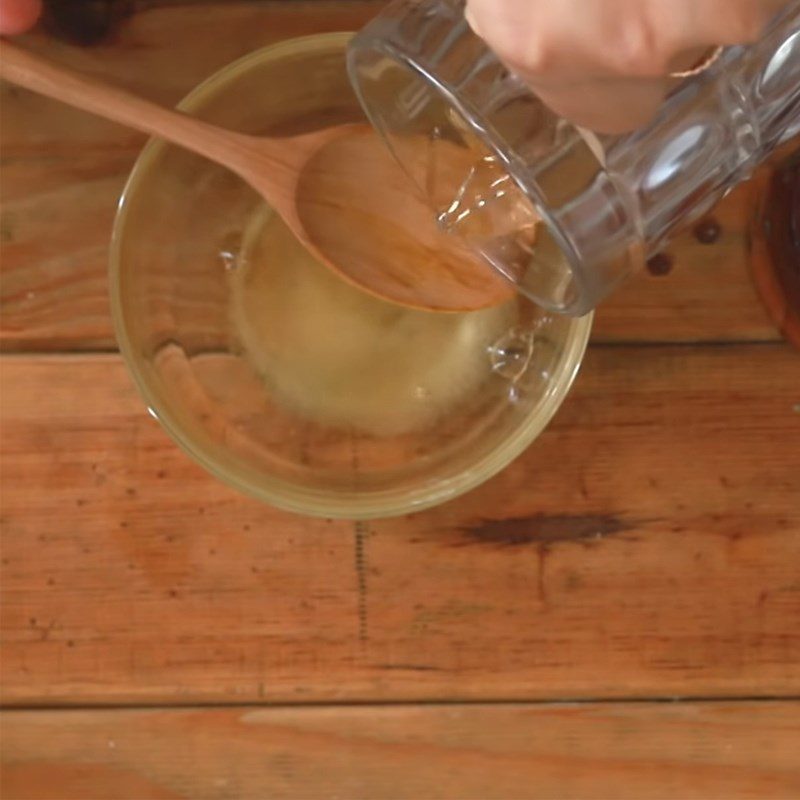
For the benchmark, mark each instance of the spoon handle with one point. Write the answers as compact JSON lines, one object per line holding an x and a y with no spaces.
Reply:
{"x":33,"y":72}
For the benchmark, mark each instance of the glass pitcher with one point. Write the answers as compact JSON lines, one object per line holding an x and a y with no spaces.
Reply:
{"x":563,"y":213}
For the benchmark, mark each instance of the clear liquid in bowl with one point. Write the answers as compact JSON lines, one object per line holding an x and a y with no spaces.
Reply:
{"x":339,"y":357}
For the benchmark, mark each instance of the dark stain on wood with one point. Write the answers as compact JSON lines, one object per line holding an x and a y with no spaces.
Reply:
{"x":546,"y":529}
{"x":361,"y":532}
{"x":707,"y":231}
{"x":409,"y":667}
{"x":660,"y":264}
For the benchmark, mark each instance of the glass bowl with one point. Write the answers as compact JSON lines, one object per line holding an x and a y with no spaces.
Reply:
{"x":278,"y":377}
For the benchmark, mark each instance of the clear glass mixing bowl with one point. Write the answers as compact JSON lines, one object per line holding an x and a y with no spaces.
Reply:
{"x":279,"y":378}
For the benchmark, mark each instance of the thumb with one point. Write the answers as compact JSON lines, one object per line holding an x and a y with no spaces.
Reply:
{"x":614,"y":106}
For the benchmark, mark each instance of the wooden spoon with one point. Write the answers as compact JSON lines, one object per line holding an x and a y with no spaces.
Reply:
{"x":384,"y":236}
{"x":337,"y":189}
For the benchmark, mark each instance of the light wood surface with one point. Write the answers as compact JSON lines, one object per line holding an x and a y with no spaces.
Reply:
{"x":647,"y":546}
{"x":270,"y":165}
{"x":692,"y":751}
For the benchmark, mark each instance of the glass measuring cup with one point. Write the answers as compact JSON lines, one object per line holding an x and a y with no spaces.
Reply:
{"x":564,"y":214}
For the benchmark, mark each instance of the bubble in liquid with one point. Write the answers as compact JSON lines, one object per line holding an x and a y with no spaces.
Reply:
{"x":511,"y":355}
{"x":230,"y":251}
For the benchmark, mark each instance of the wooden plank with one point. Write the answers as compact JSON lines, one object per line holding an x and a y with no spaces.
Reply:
{"x":62,"y":172}
{"x":647,"y":545}
{"x":620,"y":750}
{"x":707,"y":294}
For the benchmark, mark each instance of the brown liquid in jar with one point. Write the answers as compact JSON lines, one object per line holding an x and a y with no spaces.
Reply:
{"x":776,"y":246}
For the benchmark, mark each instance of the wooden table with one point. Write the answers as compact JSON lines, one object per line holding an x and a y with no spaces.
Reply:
{"x":625,"y":623}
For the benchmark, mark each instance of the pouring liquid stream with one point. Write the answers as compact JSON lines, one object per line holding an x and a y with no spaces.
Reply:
{"x":483,"y":206}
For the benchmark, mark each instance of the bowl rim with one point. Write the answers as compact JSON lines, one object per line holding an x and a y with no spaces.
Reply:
{"x":280,"y":493}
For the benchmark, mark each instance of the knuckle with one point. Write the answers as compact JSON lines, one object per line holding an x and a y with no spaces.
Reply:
{"x":507,"y":28}
{"x":533,"y":56}
{"x":639,"y":51}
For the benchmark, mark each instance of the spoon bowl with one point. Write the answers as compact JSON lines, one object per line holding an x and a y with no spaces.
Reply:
{"x":384,"y":236}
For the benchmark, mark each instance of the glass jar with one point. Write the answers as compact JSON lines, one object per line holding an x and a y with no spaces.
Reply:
{"x":775,"y":242}
{"x":564,"y":214}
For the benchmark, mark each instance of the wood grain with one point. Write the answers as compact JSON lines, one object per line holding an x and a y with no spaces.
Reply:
{"x":707,"y":295}
{"x":62,"y":172}
{"x":621,"y":750}
{"x":647,"y":545}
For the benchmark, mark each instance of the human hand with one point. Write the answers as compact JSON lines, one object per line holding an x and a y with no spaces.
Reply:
{"x":17,"y":16}
{"x":604,"y":64}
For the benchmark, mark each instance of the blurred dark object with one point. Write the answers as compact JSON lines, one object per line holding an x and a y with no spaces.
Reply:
{"x":775,"y":245}
{"x":85,"y":22}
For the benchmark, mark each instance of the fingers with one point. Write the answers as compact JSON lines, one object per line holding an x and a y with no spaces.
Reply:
{"x":605,"y":105}
{"x":17,"y":16}
{"x":714,"y":22}
{"x":568,"y":38}
{"x":617,"y":38}
{"x":604,"y":63}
